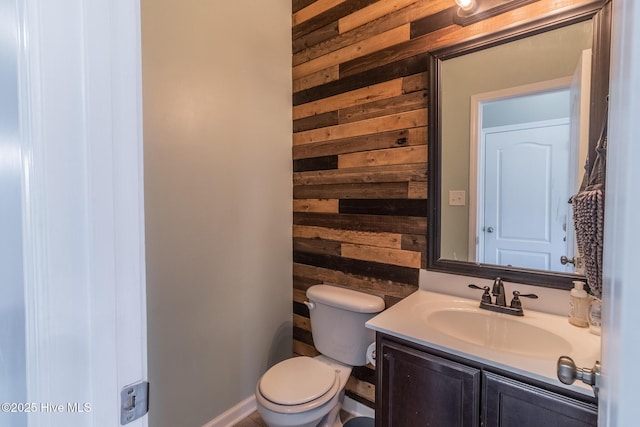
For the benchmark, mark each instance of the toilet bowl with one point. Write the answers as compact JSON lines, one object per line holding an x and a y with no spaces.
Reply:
{"x":302,"y":392}
{"x":305,"y":391}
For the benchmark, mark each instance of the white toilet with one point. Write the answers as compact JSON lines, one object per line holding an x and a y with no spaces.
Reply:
{"x":305,"y":391}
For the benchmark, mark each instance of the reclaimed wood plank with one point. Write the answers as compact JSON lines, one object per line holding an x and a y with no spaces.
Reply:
{"x":317,"y":246}
{"x":302,"y":349}
{"x":384,"y":107}
{"x":388,"y":156}
{"x":371,"y":269}
{"x":323,"y":44}
{"x":396,"y":138}
{"x":394,"y":207}
{"x":303,"y":336}
{"x":375,"y":223}
{"x":388,"y":55}
{"x":360,"y":388}
{"x":416,"y":82}
{"x":379,"y":190}
{"x":376,"y":125}
{"x":363,"y":95}
{"x":300,"y":286}
{"x":299,"y":296}
{"x":301,"y":322}
{"x":407,"y":14}
{"x":418,"y":190}
{"x":371,"y":13}
{"x":365,"y":373}
{"x":315,"y":163}
{"x":316,"y":205}
{"x":403,"y":68}
{"x":368,"y":174}
{"x":431,"y":23}
{"x":393,"y":37}
{"x":378,"y":239}
{"x":331,"y":15}
{"x":315,"y":121}
{"x":416,"y":243}
{"x":300,"y":309}
{"x":312,"y":10}
{"x":318,"y":79}
{"x":322,"y":34}
{"x":383,"y":288}
{"x":381,"y":255}
{"x":296,"y":5}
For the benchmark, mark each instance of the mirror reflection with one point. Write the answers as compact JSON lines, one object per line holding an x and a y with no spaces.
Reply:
{"x":514,"y":134}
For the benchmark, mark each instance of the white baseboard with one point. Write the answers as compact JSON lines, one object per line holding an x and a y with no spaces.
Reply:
{"x":245,"y":408}
{"x":357,"y":409}
{"x":234,"y":415}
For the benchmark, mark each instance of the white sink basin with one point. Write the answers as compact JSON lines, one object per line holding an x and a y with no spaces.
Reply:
{"x":499,"y":332}
{"x":529,"y":345}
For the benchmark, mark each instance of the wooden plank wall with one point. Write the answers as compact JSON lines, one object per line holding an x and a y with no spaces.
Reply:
{"x":360,"y":84}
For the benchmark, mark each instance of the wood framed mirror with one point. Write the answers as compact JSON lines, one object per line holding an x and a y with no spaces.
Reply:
{"x":511,"y":217}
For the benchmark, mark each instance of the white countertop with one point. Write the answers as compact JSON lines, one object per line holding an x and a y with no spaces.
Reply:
{"x":408,"y":320}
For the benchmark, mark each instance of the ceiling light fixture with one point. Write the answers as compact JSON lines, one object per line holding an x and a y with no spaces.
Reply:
{"x":470,"y":11}
{"x":466,"y":5}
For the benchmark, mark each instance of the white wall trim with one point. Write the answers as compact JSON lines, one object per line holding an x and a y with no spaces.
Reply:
{"x":235,"y":414}
{"x":83,"y":228}
{"x":621,"y":293}
{"x":35,"y":226}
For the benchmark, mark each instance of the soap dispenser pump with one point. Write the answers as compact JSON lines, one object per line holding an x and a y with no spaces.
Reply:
{"x":579,"y":305}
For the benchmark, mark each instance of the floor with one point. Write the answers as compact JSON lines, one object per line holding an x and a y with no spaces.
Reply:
{"x":254,"y":420}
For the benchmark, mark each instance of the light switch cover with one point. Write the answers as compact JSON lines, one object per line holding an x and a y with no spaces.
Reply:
{"x":457,"y":198}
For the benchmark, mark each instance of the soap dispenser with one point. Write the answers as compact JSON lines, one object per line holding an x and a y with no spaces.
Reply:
{"x":579,"y":305}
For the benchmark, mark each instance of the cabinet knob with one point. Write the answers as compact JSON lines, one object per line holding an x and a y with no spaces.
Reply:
{"x":568,"y":373}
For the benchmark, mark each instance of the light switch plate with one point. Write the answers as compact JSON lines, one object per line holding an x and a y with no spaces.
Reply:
{"x":457,"y":198}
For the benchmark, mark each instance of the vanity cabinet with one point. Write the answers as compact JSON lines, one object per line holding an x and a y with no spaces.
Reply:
{"x":506,"y":402}
{"x":418,"y":386}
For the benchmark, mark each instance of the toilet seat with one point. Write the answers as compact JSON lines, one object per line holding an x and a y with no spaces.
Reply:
{"x":297,"y":385}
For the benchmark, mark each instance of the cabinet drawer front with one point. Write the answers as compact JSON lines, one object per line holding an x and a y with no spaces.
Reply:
{"x":508,"y":403}
{"x":420,"y":389}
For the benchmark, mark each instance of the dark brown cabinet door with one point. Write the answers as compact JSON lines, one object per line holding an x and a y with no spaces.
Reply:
{"x":508,"y":403}
{"x":418,"y":389}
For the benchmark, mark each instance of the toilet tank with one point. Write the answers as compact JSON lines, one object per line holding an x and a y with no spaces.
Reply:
{"x":338,"y":318}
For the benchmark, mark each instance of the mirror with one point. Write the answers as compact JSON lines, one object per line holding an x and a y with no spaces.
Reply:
{"x":513,"y":120}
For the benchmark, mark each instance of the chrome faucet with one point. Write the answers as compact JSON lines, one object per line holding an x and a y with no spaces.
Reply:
{"x":498,"y":292}
{"x":500,"y":304}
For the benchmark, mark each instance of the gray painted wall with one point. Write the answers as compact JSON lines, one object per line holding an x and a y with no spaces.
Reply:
{"x":217,"y":134}
{"x":524,"y":109}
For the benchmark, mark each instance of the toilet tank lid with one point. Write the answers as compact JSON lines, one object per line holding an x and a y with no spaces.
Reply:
{"x":347,"y":299}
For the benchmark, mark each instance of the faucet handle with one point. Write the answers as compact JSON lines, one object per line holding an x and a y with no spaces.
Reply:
{"x":486,"y":296}
{"x":516,"y":303}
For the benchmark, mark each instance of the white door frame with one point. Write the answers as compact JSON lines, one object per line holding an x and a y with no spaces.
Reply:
{"x":475,"y":122}
{"x":621,"y":288}
{"x":81,"y":141}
